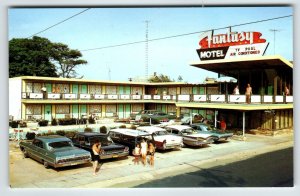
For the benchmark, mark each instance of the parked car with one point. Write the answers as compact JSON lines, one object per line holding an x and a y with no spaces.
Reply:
{"x":196,"y":118}
{"x":129,"y":137}
{"x":86,"y":140}
{"x":190,"y":136}
{"x":163,"y":139}
{"x":56,"y":151}
{"x":217,"y":134}
{"x":146,"y":115}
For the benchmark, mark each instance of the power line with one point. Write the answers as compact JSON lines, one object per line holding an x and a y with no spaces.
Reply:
{"x":274,"y":31}
{"x":59,"y":22}
{"x":185,"y":34}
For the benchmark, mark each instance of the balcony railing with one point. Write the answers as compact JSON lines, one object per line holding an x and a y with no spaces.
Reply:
{"x":214,"y":98}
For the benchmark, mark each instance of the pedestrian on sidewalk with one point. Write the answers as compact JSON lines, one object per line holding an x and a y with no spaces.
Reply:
{"x":151,"y":153}
{"x":137,"y":154}
{"x":144,"y":150}
{"x":248,"y":93}
{"x":96,"y":155}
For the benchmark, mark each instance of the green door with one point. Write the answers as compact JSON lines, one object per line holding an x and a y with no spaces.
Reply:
{"x":47,"y":112}
{"x":121,"y":111}
{"x":202,"y":90}
{"x":127,"y":111}
{"x":195,"y":90}
{"x":121,"y":90}
{"x":75,"y":88}
{"x":49,"y":88}
{"x":163,"y":108}
{"x":83,"y":110}
{"x":127,"y":90}
{"x":75,"y":111}
{"x":84,"y":89}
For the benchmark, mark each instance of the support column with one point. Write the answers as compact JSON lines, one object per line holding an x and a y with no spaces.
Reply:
{"x":216,"y":113}
{"x":178,"y":112}
{"x":244,"y":125}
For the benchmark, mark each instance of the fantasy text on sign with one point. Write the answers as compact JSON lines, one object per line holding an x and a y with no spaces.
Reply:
{"x":231,"y":45}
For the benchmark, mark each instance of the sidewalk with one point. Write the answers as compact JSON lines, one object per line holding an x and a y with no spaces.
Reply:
{"x":122,"y":173}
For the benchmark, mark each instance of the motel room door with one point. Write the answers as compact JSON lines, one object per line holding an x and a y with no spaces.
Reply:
{"x":48,"y":112}
{"x":75,"y":88}
{"x":121,"y":111}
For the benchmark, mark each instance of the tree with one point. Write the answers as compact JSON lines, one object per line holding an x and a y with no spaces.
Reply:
{"x":31,"y":57}
{"x":40,"y":57}
{"x":67,"y":60}
{"x":180,"y":78}
{"x":160,"y":78}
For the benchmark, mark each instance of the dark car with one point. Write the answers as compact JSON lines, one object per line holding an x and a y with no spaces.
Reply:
{"x":130,"y":137}
{"x":85,"y":140}
{"x":217,"y":134}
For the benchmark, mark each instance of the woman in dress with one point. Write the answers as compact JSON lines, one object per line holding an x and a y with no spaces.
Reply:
{"x":144,"y":149}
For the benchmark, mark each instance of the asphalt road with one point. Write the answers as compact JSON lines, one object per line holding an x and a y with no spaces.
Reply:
{"x":260,"y":161}
{"x":273,"y":169}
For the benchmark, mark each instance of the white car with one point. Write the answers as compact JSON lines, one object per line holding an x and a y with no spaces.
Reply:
{"x":190,"y":136}
{"x":163,"y":139}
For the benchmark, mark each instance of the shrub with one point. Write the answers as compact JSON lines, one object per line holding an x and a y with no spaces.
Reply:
{"x":67,"y":121}
{"x":61,"y":132}
{"x":88,"y":129}
{"x":91,"y":120}
{"x":133,"y":127}
{"x":103,"y":129}
{"x":123,"y":126}
{"x":43,"y":123}
{"x":70,"y":134}
{"x":13,"y":124}
{"x":30,"y":135}
{"x":54,"y":122}
{"x":22,"y":124}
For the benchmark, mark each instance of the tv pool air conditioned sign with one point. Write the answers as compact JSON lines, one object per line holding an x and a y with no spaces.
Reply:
{"x":231,"y":45}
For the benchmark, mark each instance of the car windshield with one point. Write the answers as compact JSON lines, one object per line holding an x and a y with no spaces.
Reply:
{"x":105,"y":141}
{"x":162,"y":133}
{"x":60,"y":144}
{"x":188,"y":131}
{"x":209,"y":128}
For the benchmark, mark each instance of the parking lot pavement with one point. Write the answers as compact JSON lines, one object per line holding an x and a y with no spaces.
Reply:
{"x":120,"y":172}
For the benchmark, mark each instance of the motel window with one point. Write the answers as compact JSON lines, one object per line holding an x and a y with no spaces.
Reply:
{"x":95,"y":89}
{"x":95,"y":109}
{"x":137,"y":107}
{"x":111,"y":90}
{"x":34,"y":110}
{"x":33,"y":87}
{"x":62,"y":109}
{"x":185,"y":90}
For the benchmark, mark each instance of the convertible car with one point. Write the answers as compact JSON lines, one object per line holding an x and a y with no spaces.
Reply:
{"x":217,"y":134}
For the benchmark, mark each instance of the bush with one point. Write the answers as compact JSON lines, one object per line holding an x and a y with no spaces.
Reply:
{"x":91,"y":120}
{"x":13,"y":124}
{"x":133,"y":127}
{"x":30,"y":135}
{"x":67,"y":121}
{"x":61,"y":132}
{"x":123,"y":127}
{"x":103,"y":129}
{"x":54,"y":122}
{"x":43,"y":123}
{"x":22,"y":124}
{"x":88,"y":129}
{"x":70,"y":134}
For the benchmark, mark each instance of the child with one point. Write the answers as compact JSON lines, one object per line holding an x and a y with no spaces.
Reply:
{"x":136,"y":153}
{"x":151,"y":152}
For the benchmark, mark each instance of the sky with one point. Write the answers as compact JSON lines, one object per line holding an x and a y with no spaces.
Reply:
{"x":100,"y":27}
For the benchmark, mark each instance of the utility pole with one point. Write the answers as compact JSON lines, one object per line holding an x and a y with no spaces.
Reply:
{"x":146,"y":49}
{"x":274,"y":34}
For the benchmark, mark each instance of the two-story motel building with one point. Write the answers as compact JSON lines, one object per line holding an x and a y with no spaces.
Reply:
{"x":74,"y":98}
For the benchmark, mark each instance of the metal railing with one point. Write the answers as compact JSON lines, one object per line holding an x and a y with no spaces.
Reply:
{"x":213,"y":98}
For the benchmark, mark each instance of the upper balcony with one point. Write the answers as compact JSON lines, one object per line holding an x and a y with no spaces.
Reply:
{"x":213,"y":98}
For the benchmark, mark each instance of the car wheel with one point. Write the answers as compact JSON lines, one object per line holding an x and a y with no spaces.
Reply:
{"x":164,"y":146}
{"x":46,"y":164}
{"x":25,"y":153}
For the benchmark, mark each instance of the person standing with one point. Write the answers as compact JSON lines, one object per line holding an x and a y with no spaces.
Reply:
{"x":151,"y":152}
{"x":236,"y":90}
{"x":137,"y":153}
{"x":44,"y":91}
{"x":144,"y":150}
{"x":248,"y":93}
{"x":96,"y":155}
{"x":286,"y":91}
{"x":223,"y":125}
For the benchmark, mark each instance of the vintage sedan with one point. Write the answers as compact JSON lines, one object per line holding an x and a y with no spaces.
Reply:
{"x":56,"y":151}
{"x":163,"y":139}
{"x":110,"y":149}
{"x":190,"y":136}
{"x":217,"y":134}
